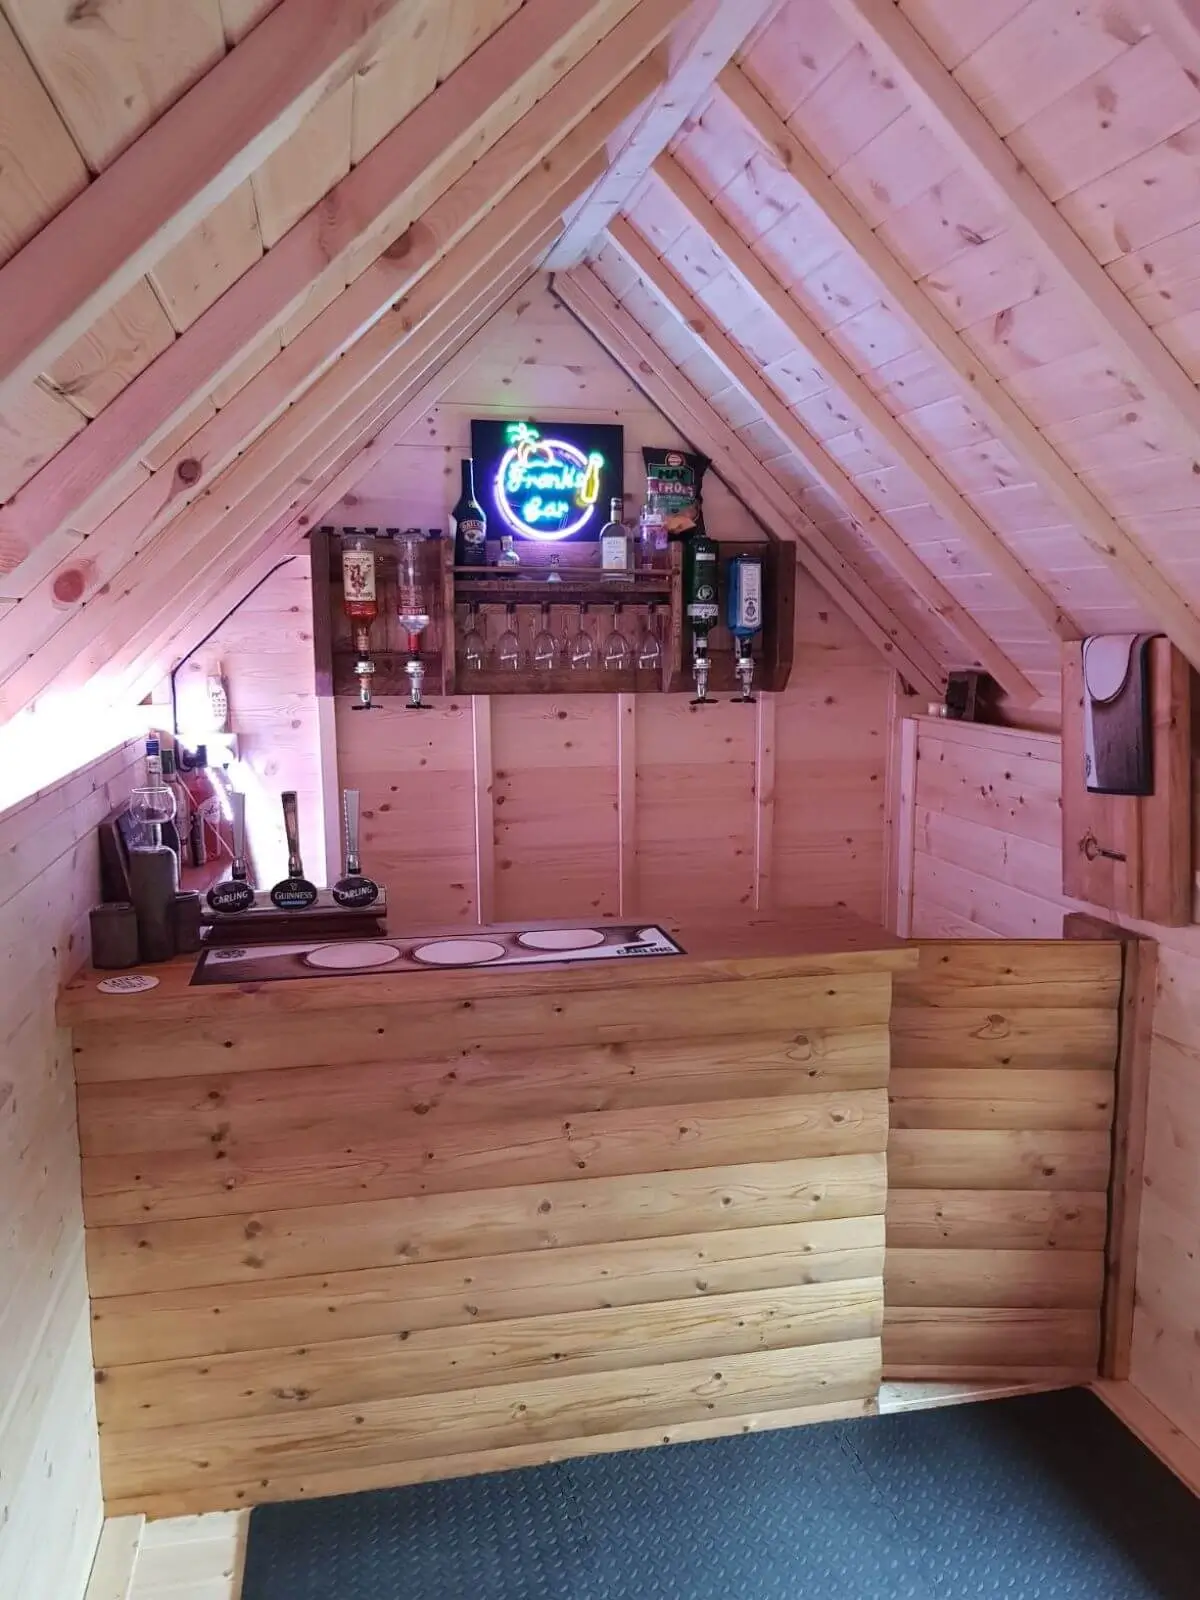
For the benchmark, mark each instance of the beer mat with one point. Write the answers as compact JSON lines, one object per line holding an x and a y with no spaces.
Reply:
{"x":473,"y":947}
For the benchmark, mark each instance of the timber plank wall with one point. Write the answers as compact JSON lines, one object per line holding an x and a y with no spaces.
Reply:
{"x":332,"y":1273}
{"x":337,"y":1272}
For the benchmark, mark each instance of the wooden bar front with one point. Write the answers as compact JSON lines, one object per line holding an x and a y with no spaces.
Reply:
{"x":361,"y":1232}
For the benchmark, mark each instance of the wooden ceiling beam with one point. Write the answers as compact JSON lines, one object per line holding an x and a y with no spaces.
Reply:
{"x":704,"y":43}
{"x":440,"y":138}
{"x":342,"y":463}
{"x":578,"y":113}
{"x":982,"y":651}
{"x":984,"y":392}
{"x":896,"y":439}
{"x":951,"y":114}
{"x":751,"y":480}
{"x":72,"y":586}
{"x":170,"y":178}
{"x":208,"y":534}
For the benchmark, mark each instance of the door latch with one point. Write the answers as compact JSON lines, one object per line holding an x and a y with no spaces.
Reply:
{"x":1094,"y":850}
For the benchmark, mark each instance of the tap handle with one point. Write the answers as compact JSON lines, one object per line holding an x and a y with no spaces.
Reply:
{"x":350,"y":814}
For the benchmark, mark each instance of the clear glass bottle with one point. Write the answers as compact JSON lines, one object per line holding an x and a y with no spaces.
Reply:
{"x":509,"y":555}
{"x":616,"y":547}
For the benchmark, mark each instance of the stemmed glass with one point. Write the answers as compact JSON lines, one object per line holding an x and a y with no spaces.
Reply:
{"x":649,"y":652}
{"x":545,"y":645}
{"x":508,"y":645}
{"x":616,"y":645}
{"x":581,"y":648}
{"x":475,"y":645}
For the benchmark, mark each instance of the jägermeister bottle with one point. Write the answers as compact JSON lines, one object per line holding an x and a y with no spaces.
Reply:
{"x":702,"y":610}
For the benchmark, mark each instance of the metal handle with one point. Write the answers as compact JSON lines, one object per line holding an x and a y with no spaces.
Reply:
{"x":1094,"y":850}
{"x":237,"y":805}
{"x":350,"y":813}
{"x":291,"y":827}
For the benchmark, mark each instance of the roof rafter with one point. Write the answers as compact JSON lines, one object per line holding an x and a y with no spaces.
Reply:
{"x":713,"y":31}
{"x":453,"y":349}
{"x":943,"y":495}
{"x":764,"y":495}
{"x":574,"y":162}
{"x":953,"y":116}
{"x":441,"y":137}
{"x":261,"y":486}
{"x":540,"y":139}
{"x":170,"y":178}
{"x":674,"y":294}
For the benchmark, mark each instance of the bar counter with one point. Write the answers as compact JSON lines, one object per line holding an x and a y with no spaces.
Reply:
{"x":364,"y":1231}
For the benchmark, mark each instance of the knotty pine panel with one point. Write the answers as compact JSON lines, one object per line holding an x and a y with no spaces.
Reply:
{"x":386,"y":1271}
{"x":999,"y":1150}
{"x":50,"y":1506}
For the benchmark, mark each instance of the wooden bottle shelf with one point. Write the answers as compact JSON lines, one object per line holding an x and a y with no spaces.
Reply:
{"x":453,"y":590}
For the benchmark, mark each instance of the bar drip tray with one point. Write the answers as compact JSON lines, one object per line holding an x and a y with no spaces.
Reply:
{"x":487,"y":947}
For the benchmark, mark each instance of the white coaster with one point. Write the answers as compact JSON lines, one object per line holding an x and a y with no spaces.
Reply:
{"x":130,"y":983}
{"x":352,"y":953}
{"x":562,"y":939}
{"x":458,"y":952}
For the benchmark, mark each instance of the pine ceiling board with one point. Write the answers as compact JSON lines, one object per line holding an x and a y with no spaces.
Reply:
{"x":955,"y":28}
{"x":895,"y":168}
{"x":873,"y":337}
{"x":1119,"y":436}
{"x":1141,"y":99}
{"x":165,"y":448}
{"x":911,"y":380}
{"x":239,"y":16}
{"x":119,"y":345}
{"x":945,"y":424}
{"x":322,"y":295}
{"x":399,"y":77}
{"x":1141,"y":202}
{"x":213,"y":256}
{"x":1043,"y":53}
{"x":468,"y":24}
{"x":789,"y":58}
{"x":854,"y":104}
{"x":253,"y":362}
{"x":40,"y":168}
{"x":1163,"y":278}
{"x":939,"y":225}
{"x":306,"y":166}
{"x":113,"y":66}
{"x":1032,"y":333}
{"x":32,"y":429}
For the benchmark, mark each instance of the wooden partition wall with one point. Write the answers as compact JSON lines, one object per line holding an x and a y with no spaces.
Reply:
{"x":1002,"y":1094}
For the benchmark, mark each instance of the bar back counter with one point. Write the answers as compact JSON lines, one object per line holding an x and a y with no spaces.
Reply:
{"x":365,"y":1231}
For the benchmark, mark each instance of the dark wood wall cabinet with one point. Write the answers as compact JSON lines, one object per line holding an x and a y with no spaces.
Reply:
{"x":464,"y":599}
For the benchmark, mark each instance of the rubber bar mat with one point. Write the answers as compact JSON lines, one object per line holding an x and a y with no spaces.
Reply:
{"x":1043,"y":1497}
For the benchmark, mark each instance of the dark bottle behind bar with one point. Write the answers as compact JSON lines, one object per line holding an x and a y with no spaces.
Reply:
{"x":468,"y":523}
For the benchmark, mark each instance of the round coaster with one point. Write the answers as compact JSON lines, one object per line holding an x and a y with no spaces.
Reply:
{"x":458,"y":952}
{"x":350,"y":954}
{"x":130,"y":983}
{"x":562,"y":939}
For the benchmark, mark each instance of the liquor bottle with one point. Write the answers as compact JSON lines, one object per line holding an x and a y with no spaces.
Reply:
{"x":468,"y":523}
{"x":509,"y":556}
{"x":702,"y":608}
{"x":744,"y":615}
{"x":154,"y":768}
{"x":616,"y":547}
{"x":361,"y":606}
{"x":183,"y":807}
{"x":206,"y":807}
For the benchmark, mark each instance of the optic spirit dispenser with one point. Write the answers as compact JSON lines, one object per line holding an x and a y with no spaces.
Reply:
{"x":744,"y":615}
{"x":362,"y":608}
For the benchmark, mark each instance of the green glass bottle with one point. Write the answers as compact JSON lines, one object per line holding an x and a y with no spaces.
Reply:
{"x":700,"y":601}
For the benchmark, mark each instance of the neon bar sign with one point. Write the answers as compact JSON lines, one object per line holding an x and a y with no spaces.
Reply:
{"x":545,"y":489}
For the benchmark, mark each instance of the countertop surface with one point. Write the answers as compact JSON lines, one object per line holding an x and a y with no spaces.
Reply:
{"x":805,"y":940}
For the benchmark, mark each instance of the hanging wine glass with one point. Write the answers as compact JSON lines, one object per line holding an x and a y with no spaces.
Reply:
{"x":545,"y":645}
{"x":475,"y":647}
{"x":508,"y":645}
{"x":616,"y":651}
{"x":649,"y":651}
{"x":582,"y":647}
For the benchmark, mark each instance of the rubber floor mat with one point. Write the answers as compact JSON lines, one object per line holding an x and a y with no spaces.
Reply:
{"x":1044,"y":1497}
